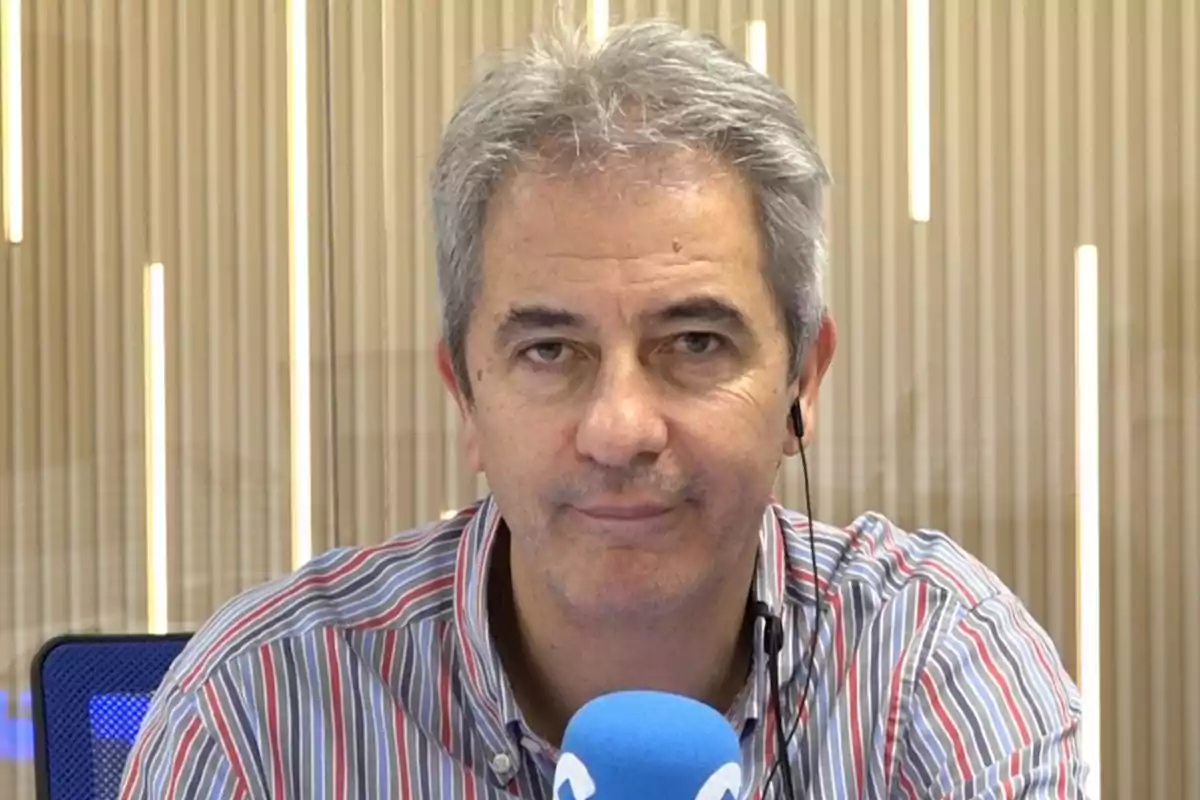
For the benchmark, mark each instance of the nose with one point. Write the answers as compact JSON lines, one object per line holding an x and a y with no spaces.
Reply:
{"x":623,"y":423}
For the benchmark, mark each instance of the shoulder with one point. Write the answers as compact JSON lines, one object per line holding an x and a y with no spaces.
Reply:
{"x":875,"y":557}
{"x":395,"y":586}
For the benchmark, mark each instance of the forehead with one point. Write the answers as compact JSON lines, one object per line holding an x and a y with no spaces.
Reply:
{"x":623,"y":236}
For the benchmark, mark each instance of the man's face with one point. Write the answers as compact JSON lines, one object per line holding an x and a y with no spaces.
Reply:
{"x":629,"y":372}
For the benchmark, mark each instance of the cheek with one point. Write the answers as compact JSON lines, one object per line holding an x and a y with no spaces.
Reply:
{"x":519,"y":451}
{"x":738,"y":455}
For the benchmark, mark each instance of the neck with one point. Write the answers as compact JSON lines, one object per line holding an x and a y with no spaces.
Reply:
{"x":556,"y":663}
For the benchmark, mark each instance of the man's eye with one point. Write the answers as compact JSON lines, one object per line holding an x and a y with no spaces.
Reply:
{"x":545,"y":353}
{"x":697,"y":343}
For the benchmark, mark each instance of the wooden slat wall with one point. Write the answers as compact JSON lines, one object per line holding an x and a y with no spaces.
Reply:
{"x":1142,"y":185}
{"x":153,"y":132}
{"x":156,"y":131}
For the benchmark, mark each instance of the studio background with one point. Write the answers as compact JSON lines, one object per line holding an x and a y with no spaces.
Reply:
{"x":157,"y":132}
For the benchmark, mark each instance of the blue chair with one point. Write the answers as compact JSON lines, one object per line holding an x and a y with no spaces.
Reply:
{"x":90,"y":693}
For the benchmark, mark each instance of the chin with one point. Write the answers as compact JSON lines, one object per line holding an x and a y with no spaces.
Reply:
{"x":628,"y":584}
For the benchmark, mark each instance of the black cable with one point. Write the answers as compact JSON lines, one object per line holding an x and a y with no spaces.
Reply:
{"x":781,"y":758}
{"x":781,"y":741}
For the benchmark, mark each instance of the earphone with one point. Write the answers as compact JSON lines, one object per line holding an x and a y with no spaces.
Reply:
{"x":797,"y":417}
{"x":773,"y":638}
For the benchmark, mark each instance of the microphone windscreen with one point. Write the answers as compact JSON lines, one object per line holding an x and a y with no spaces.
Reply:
{"x":644,"y":744}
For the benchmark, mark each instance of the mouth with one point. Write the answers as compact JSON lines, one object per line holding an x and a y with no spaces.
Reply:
{"x":625,"y":513}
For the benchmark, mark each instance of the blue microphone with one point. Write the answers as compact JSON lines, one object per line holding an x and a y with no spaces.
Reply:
{"x":642,"y":744}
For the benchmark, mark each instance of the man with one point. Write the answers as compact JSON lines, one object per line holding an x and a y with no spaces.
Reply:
{"x":630,"y":258}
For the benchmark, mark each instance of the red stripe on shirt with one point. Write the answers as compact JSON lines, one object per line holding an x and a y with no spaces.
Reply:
{"x":237,"y":768}
{"x":960,"y":749}
{"x":179,"y":759}
{"x":1002,"y":682}
{"x":272,"y":710}
{"x":335,"y":710}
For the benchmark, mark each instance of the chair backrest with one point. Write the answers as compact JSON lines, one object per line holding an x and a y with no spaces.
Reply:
{"x":90,"y":693}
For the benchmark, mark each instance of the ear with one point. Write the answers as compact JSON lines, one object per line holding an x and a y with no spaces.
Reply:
{"x":466,"y":408}
{"x":807,"y":387}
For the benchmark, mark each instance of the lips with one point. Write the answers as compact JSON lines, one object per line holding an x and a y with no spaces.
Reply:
{"x":624,"y":512}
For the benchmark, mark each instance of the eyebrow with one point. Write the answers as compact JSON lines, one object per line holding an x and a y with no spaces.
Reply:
{"x":702,"y":308}
{"x":520,"y":319}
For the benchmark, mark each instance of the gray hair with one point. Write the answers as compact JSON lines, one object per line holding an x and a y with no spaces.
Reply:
{"x":649,"y":86}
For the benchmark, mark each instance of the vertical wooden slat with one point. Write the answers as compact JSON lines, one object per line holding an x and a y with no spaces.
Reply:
{"x":871,"y":432}
{"x":9,"y":673}
{"x":515,"y":23}
{"x":396,"y":85}
{"x":368,"y":290}
{"x":272,"y":154}
{"x":668,"y":9}
{"x":958,"y":306}
{"x":783,"y":48}
{"x":11,"y":681}
{"x":855,"y":310}
{"x":928,"y":368}
{"x":990,"y":304}
{"x":112,"y":447}
{"x":50,"y":542}
{"x":249,"y":265}
{"x":894,"y":292}
{"x":1058,"y":286}
{"x":426,"y":112}
{"x":221,"y":321}
{"x":190,"y":348}
{"x":163,"y":175}
{"x":1019,"y":506}
{"x":322,"y":241}
{"x":1188,"y":87}
{"x":1166,"y":761}
{"x":78,"y":379}
{"x":333,"y":117}
{"x":24,"y":584}
{"x":1127,"y":596}
{"x":1093,"y":227}
{"x":332,"y":148}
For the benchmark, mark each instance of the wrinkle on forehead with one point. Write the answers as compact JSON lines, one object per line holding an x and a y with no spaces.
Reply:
{"x":620,"y":214}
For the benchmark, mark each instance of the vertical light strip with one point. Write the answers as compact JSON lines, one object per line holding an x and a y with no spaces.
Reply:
{"x":1087,"y":483}
{"x":597,"y":20}
{"x":919,"y":137}
{"x":155,"y":370}
{"x":298,"y":277}
{"x":10,"y":69}
{"x":756,"y":44}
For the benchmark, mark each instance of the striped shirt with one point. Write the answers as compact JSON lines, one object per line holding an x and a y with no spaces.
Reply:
{"x":370,"y":673}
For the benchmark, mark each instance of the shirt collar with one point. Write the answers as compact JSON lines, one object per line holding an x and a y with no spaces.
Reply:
{"x":783,"y":581}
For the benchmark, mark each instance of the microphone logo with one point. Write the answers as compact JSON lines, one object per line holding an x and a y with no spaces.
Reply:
{"x":572,"y":774}
{"x":723,"y":784}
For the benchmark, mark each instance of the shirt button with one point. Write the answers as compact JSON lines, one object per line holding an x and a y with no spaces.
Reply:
{"x":502,"y":764}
